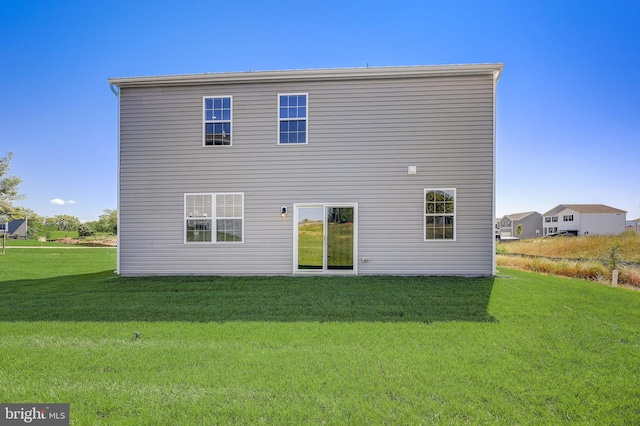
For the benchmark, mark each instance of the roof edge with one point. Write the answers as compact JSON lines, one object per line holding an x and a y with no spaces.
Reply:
{"x":494,"y":69}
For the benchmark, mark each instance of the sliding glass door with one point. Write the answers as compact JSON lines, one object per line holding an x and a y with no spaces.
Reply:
{"x":325,"y":238}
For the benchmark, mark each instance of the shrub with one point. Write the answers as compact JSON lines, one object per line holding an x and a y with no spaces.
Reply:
{"x":85,"y":230}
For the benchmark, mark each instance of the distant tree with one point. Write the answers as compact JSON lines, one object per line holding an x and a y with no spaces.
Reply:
{"x":519,"y":230}
{"x":108,"y":221}
{"x":85,"y":230}
{"x":65,"y":222}
{"x":8,"y":191}
{"x":8,"y":194}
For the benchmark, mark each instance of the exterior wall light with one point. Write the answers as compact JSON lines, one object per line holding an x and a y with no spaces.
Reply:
{"x":283,"y":211}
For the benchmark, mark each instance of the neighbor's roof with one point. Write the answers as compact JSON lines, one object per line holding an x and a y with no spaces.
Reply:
{"x":312,"y":74}
{"x":519,"y":216}
{"x":584,"y":208}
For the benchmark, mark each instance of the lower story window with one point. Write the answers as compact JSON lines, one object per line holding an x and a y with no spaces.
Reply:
{"x":214,"y":218}
{"x":440,"y":214}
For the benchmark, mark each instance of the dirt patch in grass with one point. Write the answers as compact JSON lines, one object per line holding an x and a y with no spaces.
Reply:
{"x":92,"y":242}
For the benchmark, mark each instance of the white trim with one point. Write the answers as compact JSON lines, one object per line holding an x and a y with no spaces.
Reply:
{"x":325,"y":270}
{"x":493,"y":70}
{"x":205,"y":121}
{"x":496,"y":76}
{"x":455,"y":213}
{"x":118,"y":223}
{"x":306,"y":119}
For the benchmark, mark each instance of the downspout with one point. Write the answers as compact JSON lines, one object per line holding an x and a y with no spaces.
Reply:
{"x":116,"y":92}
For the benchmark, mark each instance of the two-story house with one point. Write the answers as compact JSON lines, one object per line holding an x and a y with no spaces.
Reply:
{"x":333,"y":171}
{"x":584,"y":219}
{"x":521,"y":225}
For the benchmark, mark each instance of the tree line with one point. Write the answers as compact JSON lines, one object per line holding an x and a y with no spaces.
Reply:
{"x":38,"y":225}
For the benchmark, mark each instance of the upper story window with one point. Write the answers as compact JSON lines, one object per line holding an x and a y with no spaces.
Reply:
{"x":440,"y":214}
{"x":567,"y":218}
{"x":549,"y":219}
{"x":217,"y":120}
{"x":292,"y":118}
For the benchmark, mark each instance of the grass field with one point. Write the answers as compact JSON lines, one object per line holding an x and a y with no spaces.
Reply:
{"x":590,"y":257}
{"x":518,"y":349}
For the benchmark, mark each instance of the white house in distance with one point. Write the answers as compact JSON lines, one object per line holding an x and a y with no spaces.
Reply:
{"x":333,"y":171}
{"x":584,"y":219}
{"x":531,"y":223}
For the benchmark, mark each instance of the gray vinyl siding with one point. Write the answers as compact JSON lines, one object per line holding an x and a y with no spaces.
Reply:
{"x":17,"y":228}
{"x":362,"y":136}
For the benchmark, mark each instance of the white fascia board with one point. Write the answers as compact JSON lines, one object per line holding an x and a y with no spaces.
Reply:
{"x":312,"y":75}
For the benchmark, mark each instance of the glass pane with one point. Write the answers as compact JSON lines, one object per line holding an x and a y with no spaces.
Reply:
{"x":284,"y":101}
{"x":430,"y":234}
{"x":340,"y":238}
{"x":198,"y":231}
{"x":229,"y":230}
{"x":293,"y":138}
{"x":302,"y":137}
{"x":293,"y":112}
{"x":284,"y":113}
{"x":208,"y":103}
{"x":226,"y":114}
{"x":226,"y":103}
{"x":284,"y":137}
{"x":302,"y":100}
{"x":217,"y":103}
{"x":293,"y":101}
{"x":310,"y":238}
{"x":431,"y":208}
{"x":302,"y":112}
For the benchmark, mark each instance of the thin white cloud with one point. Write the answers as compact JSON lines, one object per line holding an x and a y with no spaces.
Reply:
{"x":61,"y":202}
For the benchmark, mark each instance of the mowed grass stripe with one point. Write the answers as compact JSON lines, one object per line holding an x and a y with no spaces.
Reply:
{"x":522,"y":349}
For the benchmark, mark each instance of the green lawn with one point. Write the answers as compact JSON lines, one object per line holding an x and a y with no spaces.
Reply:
{"x":519,"y":349}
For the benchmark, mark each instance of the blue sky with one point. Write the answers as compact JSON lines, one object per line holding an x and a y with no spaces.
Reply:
{"x":568,"y":120}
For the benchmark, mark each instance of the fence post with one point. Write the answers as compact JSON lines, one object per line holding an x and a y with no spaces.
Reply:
{"x":614,"y":278}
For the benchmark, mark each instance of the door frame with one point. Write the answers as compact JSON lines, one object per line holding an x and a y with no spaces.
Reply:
{"x":325,"y":270}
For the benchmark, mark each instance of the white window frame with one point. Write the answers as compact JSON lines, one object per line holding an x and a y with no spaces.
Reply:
{"x":425,"y":214}
{"x":205,"y":121}
{"x":306,"y":119}
{"x":214,"y":217}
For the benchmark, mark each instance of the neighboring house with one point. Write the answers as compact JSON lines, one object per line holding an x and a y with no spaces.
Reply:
{"x":14,"y":229}
{"x":584,"y":219}
{"x":633,"y":225}
{"x":531,"y":223}
{"x":335,"y":171}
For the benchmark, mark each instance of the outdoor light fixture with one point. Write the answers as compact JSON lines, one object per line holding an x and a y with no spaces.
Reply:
{"x":283,"y":211}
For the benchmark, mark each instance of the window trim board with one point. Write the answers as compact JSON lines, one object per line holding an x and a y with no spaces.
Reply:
{"x":205,"y":121}
{"x":425,"y":214}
